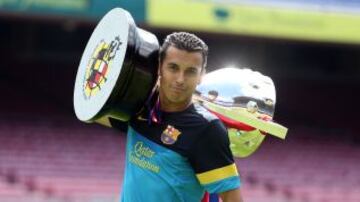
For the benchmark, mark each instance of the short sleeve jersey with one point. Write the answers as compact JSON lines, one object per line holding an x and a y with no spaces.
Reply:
{"x":178,"y":159}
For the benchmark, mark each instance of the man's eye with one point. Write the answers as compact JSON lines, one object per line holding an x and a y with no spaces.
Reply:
{"x":173,"y":68}
{"x":192,"y":72}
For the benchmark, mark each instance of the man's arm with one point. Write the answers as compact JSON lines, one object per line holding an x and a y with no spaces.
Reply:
{"x":213,"y":162}
{"x":231,"y":196}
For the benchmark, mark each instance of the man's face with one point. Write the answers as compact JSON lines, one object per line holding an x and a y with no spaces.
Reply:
{"x":180,"y":73}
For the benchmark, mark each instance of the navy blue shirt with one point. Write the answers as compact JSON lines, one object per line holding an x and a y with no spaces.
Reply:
{"x":178,"y":159}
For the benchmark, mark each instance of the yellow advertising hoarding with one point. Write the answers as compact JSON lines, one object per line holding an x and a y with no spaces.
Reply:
{"x":209,"y":16}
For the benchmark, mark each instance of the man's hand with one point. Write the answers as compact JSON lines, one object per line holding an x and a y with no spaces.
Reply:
{"x":231,"y":196}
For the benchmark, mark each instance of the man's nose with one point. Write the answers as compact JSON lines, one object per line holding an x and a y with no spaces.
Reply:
{"x":180,"y":78}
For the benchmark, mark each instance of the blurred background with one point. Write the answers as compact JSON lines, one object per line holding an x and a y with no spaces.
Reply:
{"x":310,"y":48}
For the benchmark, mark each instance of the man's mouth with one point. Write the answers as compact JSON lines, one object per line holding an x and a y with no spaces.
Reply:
{"x":178,"y":89}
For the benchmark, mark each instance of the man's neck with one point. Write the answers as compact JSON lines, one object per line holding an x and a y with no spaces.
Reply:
{"x":173,"y":107}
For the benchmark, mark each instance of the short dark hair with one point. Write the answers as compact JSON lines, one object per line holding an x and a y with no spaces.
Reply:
{"x":184,"y":41}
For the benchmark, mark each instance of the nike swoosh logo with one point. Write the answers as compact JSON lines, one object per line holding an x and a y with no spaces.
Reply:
{"x":140,"y":118}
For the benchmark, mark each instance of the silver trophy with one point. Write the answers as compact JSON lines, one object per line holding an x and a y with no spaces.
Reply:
{"x":245,"y":101}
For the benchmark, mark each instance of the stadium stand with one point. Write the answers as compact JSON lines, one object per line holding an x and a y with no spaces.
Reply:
{"x":78,"y":163}
{"x":81,"y":164}
{"x":309,"y":166}
{"x":46,"y":155}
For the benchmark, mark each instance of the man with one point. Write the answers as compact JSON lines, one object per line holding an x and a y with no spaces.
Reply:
{"x":176,"y":150}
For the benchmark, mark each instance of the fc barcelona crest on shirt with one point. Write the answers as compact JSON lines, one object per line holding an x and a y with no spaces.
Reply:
{"x":98,"y":67}
{"x":170,"y":135}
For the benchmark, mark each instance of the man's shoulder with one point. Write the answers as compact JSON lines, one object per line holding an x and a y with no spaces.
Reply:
{"x":214,"y":127}
{"x":204,"y":113}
